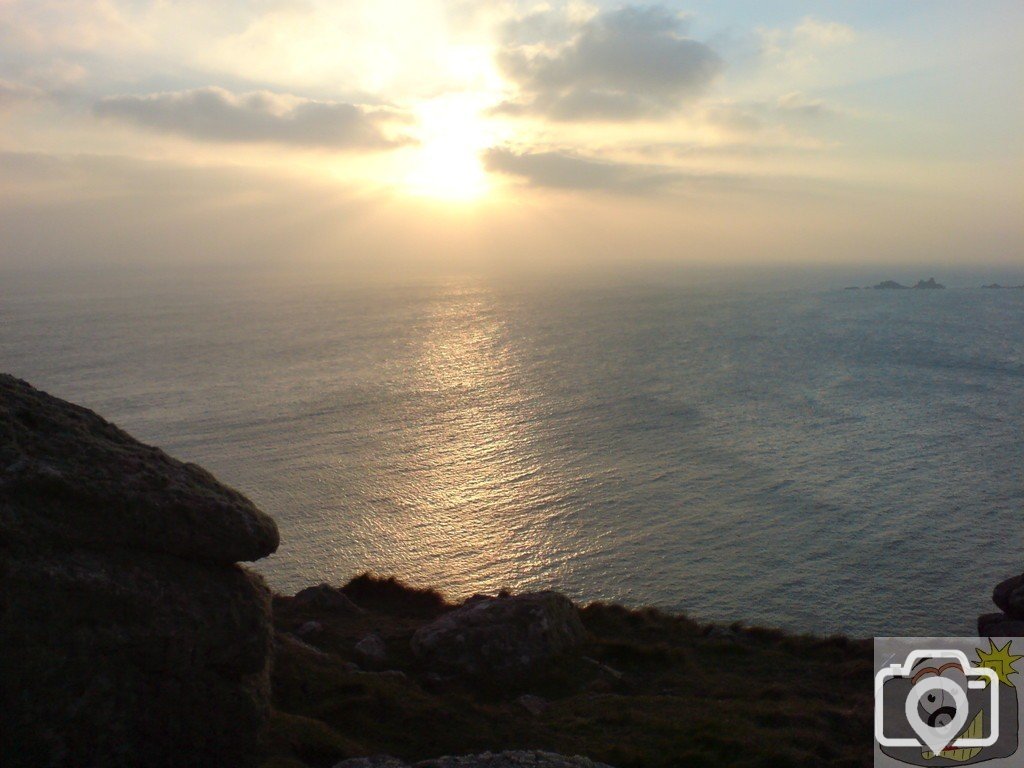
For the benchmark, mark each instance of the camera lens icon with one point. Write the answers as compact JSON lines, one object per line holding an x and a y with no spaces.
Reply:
{"x":937,"y":710}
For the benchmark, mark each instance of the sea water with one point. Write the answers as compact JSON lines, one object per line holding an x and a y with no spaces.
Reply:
{"x":819,"y":460}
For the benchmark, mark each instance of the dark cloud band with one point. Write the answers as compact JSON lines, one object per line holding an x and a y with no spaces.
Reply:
{"x":214,"y":114}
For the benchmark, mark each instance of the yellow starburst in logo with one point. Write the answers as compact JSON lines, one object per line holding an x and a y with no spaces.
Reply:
{"x":999,"y":660}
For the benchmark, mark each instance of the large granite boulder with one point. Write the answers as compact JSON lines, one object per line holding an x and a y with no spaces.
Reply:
{"x":1009,"y":596}
{"x":130,"y":636}
{"x":68,"y":475}
{"x":499,"y":635}
{"x":512,"y":759}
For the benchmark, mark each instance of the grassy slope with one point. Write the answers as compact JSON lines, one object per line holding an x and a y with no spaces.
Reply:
{"x":687,"y":696}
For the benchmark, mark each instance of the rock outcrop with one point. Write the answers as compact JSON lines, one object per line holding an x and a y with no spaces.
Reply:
{"x":499,"y":635}
{"x":887,"y":285}
{"x":1009,"y":597}
{"x":130,"y":636}
{"x":929,"y":284}
{"x":324,"y":597}
{"x":512,"y":759}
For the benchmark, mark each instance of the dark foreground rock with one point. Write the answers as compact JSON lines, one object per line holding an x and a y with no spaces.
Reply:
{"x":1009,"y":596}
{"x":324,"y":597}
{"x":512,"y":759}
{"x":500,"y":635}
{"x":129,"y":635}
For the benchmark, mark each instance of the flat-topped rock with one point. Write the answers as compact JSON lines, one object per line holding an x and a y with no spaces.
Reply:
{"x":499,"y":635}
{"x":68,"y":475}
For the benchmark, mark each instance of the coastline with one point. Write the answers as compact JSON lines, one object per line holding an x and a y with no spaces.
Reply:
{"x":136,"y":636}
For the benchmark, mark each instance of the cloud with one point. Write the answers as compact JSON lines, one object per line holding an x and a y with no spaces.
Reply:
{"x":626,"y":64}
{"x":799,"y":48}
{"x":790,"y":111}
{"x":563,"y":170}
{"x":560,"y":170}
{"x":12,"y":93}
{"x":823,"y":33}
{"x":214,"y":114}
{"x":797,"y":104}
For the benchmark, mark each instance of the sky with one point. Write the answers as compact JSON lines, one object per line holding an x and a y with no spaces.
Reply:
{"x":400,"y":134}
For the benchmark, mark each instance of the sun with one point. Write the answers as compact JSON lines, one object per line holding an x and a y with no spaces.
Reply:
{"x":446,"y":164}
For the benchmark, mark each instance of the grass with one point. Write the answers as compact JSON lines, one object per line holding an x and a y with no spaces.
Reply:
{"x":647,"y":689}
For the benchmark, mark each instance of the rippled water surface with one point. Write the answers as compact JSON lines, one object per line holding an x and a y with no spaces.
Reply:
{"x":830,"y":461}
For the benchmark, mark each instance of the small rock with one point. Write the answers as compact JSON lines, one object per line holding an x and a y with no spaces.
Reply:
{"x":722,"y":633}
{"x":604,"y":668}
{"x":287,"y":643}
{"x":535,"y":705}
{"x":511,"y":759}
{"x":433,"y":681}
{"x":309,"y":629}
{"x":380,"y":761}
{"x":392,"y":674}
{"x":326,"y":598}
{"x":371,"y":650}
{"x":1009,"y":596}
{"x":500,"y":635}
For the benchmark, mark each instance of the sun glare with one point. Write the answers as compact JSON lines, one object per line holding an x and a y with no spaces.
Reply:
{"x":446,"y":165}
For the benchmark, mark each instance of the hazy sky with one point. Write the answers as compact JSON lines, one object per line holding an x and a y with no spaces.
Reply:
{"x":417,"y":132}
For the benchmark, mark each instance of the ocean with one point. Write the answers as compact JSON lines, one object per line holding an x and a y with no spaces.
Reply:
{"x":811,"y":459}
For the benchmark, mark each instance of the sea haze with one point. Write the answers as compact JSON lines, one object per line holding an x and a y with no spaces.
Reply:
{"x":837,"y":461}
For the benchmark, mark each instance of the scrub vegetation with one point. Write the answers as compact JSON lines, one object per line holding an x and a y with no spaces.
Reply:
{"x":645,"y":689}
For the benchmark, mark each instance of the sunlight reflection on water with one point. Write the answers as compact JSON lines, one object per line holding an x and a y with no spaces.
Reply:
{"x":471,"y":465}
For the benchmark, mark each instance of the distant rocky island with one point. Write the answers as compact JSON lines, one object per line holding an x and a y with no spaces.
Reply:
{"x":891,"y":285}
{"x":131,"y":636}
{"x":926,"y":285}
